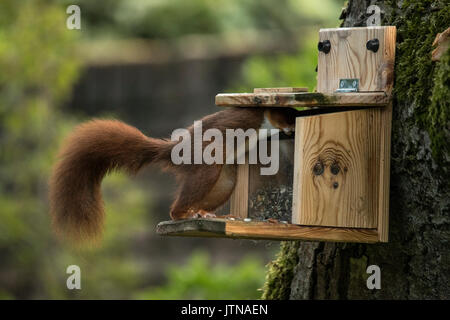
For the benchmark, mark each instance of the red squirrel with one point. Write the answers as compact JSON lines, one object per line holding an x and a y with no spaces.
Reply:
{"x":98,"y":147}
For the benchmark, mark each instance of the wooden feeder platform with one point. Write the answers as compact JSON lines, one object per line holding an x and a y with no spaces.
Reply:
{"x":307,"y":100}
{"x":261,"y":230}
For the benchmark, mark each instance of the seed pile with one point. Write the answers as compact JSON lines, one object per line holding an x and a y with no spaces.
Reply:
{"x":273,"y":202}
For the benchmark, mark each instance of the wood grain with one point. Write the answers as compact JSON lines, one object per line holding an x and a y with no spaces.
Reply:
{"x":271,"y":231}
{"x":239,"y":197}
{"x":349,"y":58}
{"x":302,"y":99}
{"x":281,"y":89}
{"x":385,"y":169}
{"x":337,"y":169}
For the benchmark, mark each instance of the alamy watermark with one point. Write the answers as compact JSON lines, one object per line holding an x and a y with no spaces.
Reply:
{"x":236,"y":144}
{"x":74,"y":20}
{"x":74,"y":280}
{"x":375,"y":16}
{"x":374,"y":280}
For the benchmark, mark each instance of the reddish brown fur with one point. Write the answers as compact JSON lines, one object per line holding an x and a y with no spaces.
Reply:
{"x":90,"y":152}
{"x":100,"y":146}
{"x":281,"y":118}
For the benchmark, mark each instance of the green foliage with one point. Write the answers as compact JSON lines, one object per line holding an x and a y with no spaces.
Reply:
{"x":297,"y":69}
{"x":39,"y":68}
{"x":284,"y":70}
{"x":439,"y":113}
{"x":173,"y":18}
{"x":169,"y":19}
{"x":280,"y":272}
{"x":199,"y":279}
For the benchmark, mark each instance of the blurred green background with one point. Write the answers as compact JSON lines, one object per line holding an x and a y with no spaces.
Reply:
{"x":184,"y":52}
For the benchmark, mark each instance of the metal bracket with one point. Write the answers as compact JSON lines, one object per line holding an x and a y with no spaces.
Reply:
{"x":348,"y":85}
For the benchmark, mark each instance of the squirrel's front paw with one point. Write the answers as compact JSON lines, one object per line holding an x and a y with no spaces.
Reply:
{"x":201,"y":214}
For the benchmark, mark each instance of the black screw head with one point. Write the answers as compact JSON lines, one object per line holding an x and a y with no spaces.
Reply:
{"x":257,"y":100}
{"x":373,"y":45}
{"x":324,"y":46}
{"x":318,"y":168}
{"x":335,"y":185}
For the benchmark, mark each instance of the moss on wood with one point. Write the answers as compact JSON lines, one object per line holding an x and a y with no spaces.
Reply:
{"x":419,"y":82}
{"x":280,"y":272}
{"x":438,"y":114}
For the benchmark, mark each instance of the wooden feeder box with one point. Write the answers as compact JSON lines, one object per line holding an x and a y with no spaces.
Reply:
{"x":334,"y":183}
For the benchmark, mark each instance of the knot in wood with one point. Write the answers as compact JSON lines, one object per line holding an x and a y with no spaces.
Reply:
{"x":318,"y":168}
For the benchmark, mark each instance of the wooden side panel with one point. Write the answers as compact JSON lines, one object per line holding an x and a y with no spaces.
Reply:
{"x":337,"y":169}
{"x":271,"y":231}
{"x":239,"y":197}
{"x":349,"y":58}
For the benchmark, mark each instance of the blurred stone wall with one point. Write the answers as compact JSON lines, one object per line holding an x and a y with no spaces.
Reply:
{"x":155,"y":97}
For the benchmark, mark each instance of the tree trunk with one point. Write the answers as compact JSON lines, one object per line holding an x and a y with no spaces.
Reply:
{"x":415,"y":264}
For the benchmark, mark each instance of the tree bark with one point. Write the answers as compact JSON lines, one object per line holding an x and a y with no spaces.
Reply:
{"x":415,"y":264}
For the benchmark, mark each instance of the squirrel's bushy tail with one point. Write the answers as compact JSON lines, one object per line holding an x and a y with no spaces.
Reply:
{"x":89,"y":153}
